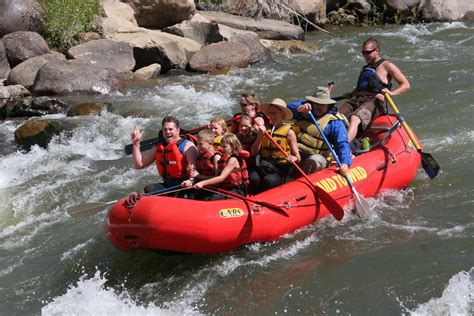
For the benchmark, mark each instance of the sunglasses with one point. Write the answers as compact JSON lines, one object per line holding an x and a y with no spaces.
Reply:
{"x":368,"y":52}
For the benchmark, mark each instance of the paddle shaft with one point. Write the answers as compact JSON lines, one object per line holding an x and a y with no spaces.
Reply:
{"x":333,"y":207}
{"x":244,"y":198}
{"x":401,"y":119}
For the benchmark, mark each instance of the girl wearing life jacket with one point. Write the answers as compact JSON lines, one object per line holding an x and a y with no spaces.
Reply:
{"x":273,"y":168}
{"x":247,"y":132}
{"x":233,"y":174}
{"x":219,"y":127}
{"x":249,"y":104}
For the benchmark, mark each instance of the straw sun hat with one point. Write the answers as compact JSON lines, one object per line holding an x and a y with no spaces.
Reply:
{"x":279,"y":103}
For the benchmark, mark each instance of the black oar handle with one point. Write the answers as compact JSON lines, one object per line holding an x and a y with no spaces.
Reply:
{"x":144,"y":145}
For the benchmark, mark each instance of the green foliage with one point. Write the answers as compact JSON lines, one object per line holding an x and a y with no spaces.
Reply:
{"x":65,"y":20}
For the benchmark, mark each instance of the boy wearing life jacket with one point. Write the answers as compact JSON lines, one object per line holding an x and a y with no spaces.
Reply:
{"x":249,"y":104}
{"x":175,"y":157}
{"x":219,"y":127}
{"x":366,"y":101}
{"x":273,"y":167}
{"x":206,"y":162}
{"x":232,"y":170}
{"x":314,"y":151}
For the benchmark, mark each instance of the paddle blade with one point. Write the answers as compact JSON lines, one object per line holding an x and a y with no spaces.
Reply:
{"x":429,"y":164}
{"x":331,"y":204}
{"x":88,"y":209}
{"x":362,"y":206}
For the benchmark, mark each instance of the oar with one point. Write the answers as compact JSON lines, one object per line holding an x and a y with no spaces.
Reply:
{"x":148,"y":144}
{"x":333,"y":207}
{"x":362,"y":206}
{"x":244,"y":198}
{"x":427,"y":161}
{"x":87,"y":209}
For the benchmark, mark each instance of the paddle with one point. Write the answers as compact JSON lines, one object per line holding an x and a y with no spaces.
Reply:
{"x":333,"y":207}
{"x":362,"y":206}
{"x":427,"y":161}
{"x":148,"y":144}
{"x":87,"y":209}
{"x":244,"y":198}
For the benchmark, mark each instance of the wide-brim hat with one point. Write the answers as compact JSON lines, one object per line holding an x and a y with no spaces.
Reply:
{"x":321,"y":96}
{"x":287,"y":114}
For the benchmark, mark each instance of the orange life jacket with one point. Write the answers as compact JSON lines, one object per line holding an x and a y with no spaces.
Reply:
{"x":170,"y":160}
{"x":205,"y":165}
{"x":237,"y":177}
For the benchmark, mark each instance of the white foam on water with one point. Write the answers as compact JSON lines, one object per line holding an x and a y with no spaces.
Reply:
{"x":75,"y":250}
{"x":448,"y":26}
{"x":457,"y":298}
{"x":90,"y":296}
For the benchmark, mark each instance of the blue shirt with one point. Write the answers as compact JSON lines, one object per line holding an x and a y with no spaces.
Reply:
{"x":335,"y":132}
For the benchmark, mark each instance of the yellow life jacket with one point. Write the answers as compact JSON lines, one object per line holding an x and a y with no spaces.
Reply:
{"x":309,"y":139}
{"x":270,"y":151}
{"x":217,"y":143}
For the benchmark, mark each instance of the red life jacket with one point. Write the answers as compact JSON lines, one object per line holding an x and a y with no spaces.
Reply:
{"x":205,"y":165}
{"x":236,"y":121}
{"x":237,"y":177}
{"x":170,"y":160}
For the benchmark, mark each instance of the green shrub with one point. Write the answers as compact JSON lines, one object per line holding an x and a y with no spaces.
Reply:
{"x":65,"y":20}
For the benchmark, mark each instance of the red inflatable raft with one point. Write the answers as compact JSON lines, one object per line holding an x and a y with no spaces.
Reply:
{"x":190,"y":226}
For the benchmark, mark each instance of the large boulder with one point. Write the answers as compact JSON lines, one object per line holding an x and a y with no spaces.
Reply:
{"x":199,"y":28}
{"x":119,"y":17}
{"x":161,"y":13}
{"x":403,"y":6}
{"x":20,"y":15}
{"x":37,"y":132}
{"x":4,"y":65}
{"x":440,"y":10}
{"x":258,"y":52}
{"x":22,"y":45}
{"x":74,"y":76}
{"x":265,"y":28}
{"x":90,"y":108}
{"x":156,"y":47}
{"x":25,"y":73}
{"x":105,"y":53}
{"x":220,"y":56}
{"x":313,"y":10}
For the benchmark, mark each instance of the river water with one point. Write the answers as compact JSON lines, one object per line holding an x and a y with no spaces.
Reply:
{"x":414,"y":255}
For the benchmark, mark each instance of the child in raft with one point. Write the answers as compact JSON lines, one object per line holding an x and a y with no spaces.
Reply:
{"x":232,"y":169}
{"x":219,"y":127}
{"x":247,"y":132}
{"x":206,"y":162}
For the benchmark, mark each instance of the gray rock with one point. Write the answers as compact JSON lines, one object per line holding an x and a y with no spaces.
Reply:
{"x":25,"y":72}
{"x":149,"y":72}
{"x":20,"y":15}
{"x":22,"y":45}
{"x":73,"y":76}
{"x":446,"y":11}
{"x":265,"y":28}
{"x":258,"y":52}
{"x":199,"y":29}
{"x":4,"y":65}
{"x":29,"y":107}
{"x":105,"y":53}
{"x":219,"y":56}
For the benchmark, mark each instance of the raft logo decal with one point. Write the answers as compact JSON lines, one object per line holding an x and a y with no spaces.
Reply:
{"x":337,"y":181}
{"x":231,"y":212}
